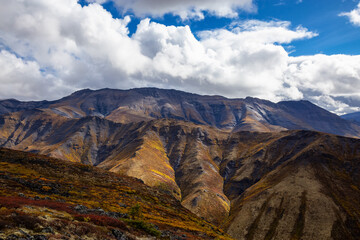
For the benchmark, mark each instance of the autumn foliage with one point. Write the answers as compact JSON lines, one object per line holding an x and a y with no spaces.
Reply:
{"x":47,"y":196}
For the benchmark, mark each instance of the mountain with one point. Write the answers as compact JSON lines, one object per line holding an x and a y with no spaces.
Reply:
{"x":151,"y":151}
{"x":144,"y":104}
{"x":355,"y":117}
{"x":296,"y":185}
{"x":13,"y":105}
{"x":256,"y":185}
{"x":47,"y":198}
{"x":279,"y":179}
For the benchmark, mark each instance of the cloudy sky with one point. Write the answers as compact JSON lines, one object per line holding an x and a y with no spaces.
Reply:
{"x":271,"y":49}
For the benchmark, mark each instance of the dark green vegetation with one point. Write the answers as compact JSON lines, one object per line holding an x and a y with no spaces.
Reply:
{"x":46,"y":197}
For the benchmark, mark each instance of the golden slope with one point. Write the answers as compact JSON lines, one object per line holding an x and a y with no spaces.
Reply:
{"x":48,"y":198}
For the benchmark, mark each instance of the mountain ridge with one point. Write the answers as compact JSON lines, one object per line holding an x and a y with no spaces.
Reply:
{"x":257,"y":180}
{"x":144,"y":104}
{"x":218,"y":175}
{"x":355,"y":117}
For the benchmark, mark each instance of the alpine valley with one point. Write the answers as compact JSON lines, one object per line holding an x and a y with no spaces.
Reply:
{"x":152,"y":163}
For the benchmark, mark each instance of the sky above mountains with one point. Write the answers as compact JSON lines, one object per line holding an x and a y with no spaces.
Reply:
{"x":276,"y":49}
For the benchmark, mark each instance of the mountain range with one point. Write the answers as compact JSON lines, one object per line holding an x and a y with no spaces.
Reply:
{"x":257,"y":169}
{"x":144,"y":104}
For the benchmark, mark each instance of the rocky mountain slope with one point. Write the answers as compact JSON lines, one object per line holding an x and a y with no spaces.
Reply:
{"x":45,"y":198}
{"x":136,"y":149}
{"x":296,"y":185}
{"x":143,"y":104}
{"x":257,"y":185}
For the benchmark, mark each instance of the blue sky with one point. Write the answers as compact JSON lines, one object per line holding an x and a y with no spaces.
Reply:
{"x":271,"y":49}
{"x":336,"y":34}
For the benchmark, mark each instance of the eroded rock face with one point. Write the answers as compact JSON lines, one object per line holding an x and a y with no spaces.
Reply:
{"x":294,"y":208}
{"x":194,"y":150}
{"x":303,"y":192}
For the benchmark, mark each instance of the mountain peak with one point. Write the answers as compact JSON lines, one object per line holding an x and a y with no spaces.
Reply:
{"x":82,"y":91}
{"x":144,"y":104}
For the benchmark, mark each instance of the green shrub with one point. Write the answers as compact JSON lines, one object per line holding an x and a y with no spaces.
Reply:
{"x":135,"y":212}
{"x":146,"y":227}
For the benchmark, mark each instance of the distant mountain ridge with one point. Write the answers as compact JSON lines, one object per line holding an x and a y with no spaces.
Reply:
{"x":144,"y":104}
{"x":354,"y":117}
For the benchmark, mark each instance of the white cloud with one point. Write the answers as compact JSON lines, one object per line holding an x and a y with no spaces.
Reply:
{"x":184,"y":8}
{"x":85,"y":47}
{"x":243,"y":61}
{"x":332,"y":75}
{"x":56,"y":47}
{"x":271,"y":32}
{"x":330,"y":103}
{"x":323,"y":78}
{"x":22,"y":79}
{"x":353,"y":15}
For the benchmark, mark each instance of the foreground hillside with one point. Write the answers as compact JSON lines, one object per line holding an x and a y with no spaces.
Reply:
{"x":144,"y":104}
{"x":45,"y":198}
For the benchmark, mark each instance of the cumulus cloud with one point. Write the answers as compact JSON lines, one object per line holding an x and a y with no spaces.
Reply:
{"x":184,"y":8}
{"x":323,"y":79}
{"x":270,"y":32}
{"x":21,"y":79}
{"x":51,"y":48}
{"x":353,"y":15}
{"x":85,"y":47}
{"x":242,"y":61}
